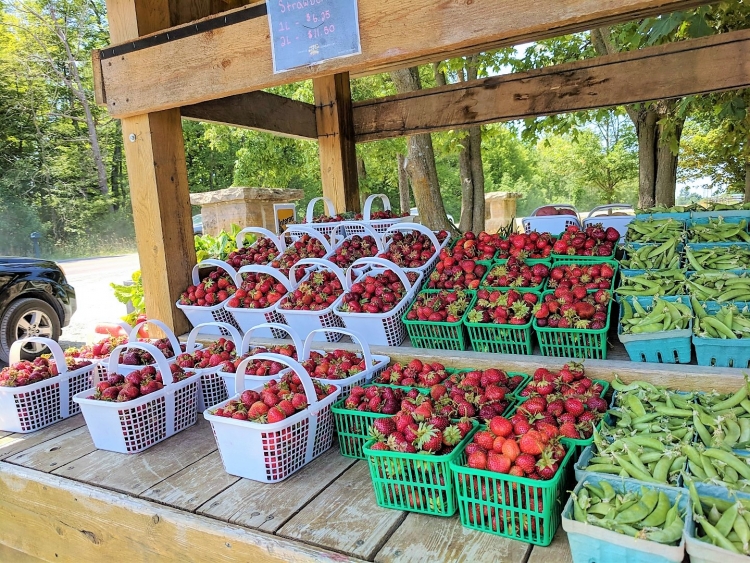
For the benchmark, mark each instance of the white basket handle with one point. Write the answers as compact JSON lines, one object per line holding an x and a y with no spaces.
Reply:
{"x":212,"y":262}
{"x":304,"y":229}
{"x":625,"y":206}
{"x":387,"y":264}
{"x":261,"y":269}
{"x":161,"y":362}
{"x":133,"y":337}
{"x":233,"y":333}
{"x":368,"y":205}
{"x":368,"y":230}
{"x":325,"y":264}
{"x":261,"y":231}
{"x":245,"y":347}
{"x":412,"y":227}
{"x":353,"y":335}
{"x":330,"y":209}
{"x":54,"y":347}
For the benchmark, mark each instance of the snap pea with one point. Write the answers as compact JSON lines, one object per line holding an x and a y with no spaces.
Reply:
{"x":659,"y":515}
{"x":668,"y":535}
{"x":714,"y":535}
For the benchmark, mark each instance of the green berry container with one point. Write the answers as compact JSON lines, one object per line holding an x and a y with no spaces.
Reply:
{"x":502,"y":338}
{"x":513,"y":507}
{"x":415,"y":482}
{"x":439,"y":335}
{"x":574,"y":260}
{"x":536,"y":288}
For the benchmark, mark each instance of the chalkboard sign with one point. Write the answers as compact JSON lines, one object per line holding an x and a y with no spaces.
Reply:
{"x":306,"y":32}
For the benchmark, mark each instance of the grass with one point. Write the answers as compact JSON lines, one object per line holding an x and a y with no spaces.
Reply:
{"x":90,"y":248}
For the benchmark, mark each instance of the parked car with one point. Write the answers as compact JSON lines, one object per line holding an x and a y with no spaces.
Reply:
{"x":197,"y":224}
{"x":35,"y":300}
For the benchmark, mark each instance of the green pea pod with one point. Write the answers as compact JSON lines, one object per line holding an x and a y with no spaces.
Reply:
{"x":725,"y":523}
{"x":635,"y":405}
{"x":641,"y":509}
{"x":732,"y":434}
{"x":633,"y":471}
{"x":601,"y":509}
{"x":744,"y":423}
{"x":701,"y":429}
{"x":714,"y":515}
{"x":742,"y":530}
{"x":608,"y":491}
{"x":695,"y":498}
{"x":661,"y":471}
{"x":666,"y":411}
{"x":708,"y":468}
{"x":604,"y":468}
{"x":621,"y":387}
{"x":668,"y":535}
{"x":659,"y":514}
{"x":731,"y":460}
{"x":691,"y":453}
{"x":697,"y":470}
{"x":734,"y":400}
{"x":644,"y":441}
{"x":594,"y":490}
{"x":578,"y":512}
{"x":714,"y":535}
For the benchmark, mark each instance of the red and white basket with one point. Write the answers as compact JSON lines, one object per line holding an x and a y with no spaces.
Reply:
{"x":31,"y":407}
{"x":295,"y":232}
{"x":248,"y":318}
{"x":381,"y":225}
{"x":305,"y":321}
{"x":212,"y":390}
{"x":197,"y":315}
{"x":275,"y":239}
{"x":332,"y":228}
{"x":133,"y":426}
{"x":382,"y":329}
{"x":428,"y":266}
{"x":133,"y":337}
{"x":354,"y":228}
{"x":228,"y":377}
{"x":374,"y":363}
{"x":270,"y":453}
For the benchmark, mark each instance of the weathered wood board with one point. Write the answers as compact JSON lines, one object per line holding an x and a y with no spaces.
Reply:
{"x":14,"y":443}
{"x":55,"y":453}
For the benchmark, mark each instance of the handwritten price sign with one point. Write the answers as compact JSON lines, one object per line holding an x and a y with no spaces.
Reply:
{"x":307,"y":32}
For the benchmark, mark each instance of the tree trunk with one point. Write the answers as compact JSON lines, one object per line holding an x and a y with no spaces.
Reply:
{"x":421,"y":162}
{"x":747,"y":181}
{"x":403,"y":185}
{"x":467,"y":185}
{"x":646,"y":131}
{"x":477,"y":168}
{"x":665,"y":185}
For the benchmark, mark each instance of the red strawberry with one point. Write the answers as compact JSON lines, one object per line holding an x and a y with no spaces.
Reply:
{"x":527,"y":463}
{"x":569,"y":430}
{"x":275,"y":414}
{"x":477,"y":460}
{"x":531,"y":443}
{"x":574,"y":406}
{"x":485,"y":439}
{"x":498,"y":463}
{"x":511,"y":449}
{"x":501,"y":426}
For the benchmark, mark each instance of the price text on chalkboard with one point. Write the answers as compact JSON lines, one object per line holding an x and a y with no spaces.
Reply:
{"x":305,"y":32}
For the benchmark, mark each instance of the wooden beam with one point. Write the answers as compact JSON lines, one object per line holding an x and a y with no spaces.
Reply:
{"x":338,"y":157}
{"x":262,"y":111}
{"x":719,"y":62}
{"x":231,"y":59}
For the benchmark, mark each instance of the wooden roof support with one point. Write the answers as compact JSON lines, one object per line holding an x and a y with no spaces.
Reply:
{"x":338,"y":158}
{"x":234,"y":58}
{"x":719,"y":62}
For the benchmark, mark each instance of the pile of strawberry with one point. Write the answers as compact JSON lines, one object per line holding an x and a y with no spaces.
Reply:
{"x":20,"y":374}
{"x":213,"y":289}
{"x":374,"y":399}
{"x":306,"y":246}
{"x":590,"y":276}
{"x":455,"y":269}
{"x":138,"y":357}
{"x":339,"y":364}
{"x":443,"y":307}
{"x":411,"y":250}
{"x":258,"y":291}
{"x":593,"y":241}
{"x":376,"y":293}
{"x":98,"y":351}
{"x":526,"y":245}
{"x":477,"y":247}
{"x":261,"y":367}
{"x":501,"y":448}
{"x":575,"y":308}
{"x":503,"y":307}
{"x":386,"y":214}
{"x":486,"y":392}
{"x":516,"y":273}
{"x":261,"y":252}
{"x":135,"y":384}
{"x":346,"y":216}
{"x":211,"y":356}
{"x":276,"y":401}
{"x":354,"y":248}
{"x":316,"y":293}
{"x":414,"y":374}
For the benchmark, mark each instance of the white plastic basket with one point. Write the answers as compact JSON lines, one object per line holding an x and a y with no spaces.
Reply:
{"x":352,"y":229}
{"x":133,"y":337}
{"x":215,"y":313}
{"x":553,"y":224}
{"x":133,"y":426}
{"x":270,"y":453}
{"x":381,"y":225}
{"x":428,"y":266}
{"x":374,"y":363}
{"x":31,"y":407}
{"x":383,"y":329}
{"x":306,"y":321}
{"x":212,"y":390}
{"x":601,"y":214}
{"x":275,"y":239}
{"x":332,"y":228}
{"x":247,"y":318}
{"x":244,"y":348}
{"x":100,"y":370}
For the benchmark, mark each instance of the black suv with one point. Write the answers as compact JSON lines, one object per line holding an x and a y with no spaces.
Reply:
{"x":35,"y":300}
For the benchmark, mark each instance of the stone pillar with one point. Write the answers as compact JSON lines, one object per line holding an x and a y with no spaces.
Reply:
{"x":246,"y":207}
{"x":500,"y":208}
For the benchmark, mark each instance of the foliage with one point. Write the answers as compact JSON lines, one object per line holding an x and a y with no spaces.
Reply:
{"x":220,"y":246}
{"x":132,"y":294}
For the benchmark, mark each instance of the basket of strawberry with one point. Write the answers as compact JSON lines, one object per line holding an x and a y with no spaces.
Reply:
{"x":458,"y":268}
{"x":435,"y":319}
{"x":259,"y":289}
{"x":35,"y":394}
{"x":273,"y":429}
{"x":207,"y":360}
{"x":510,"y":483}
{"x":515,"y":273}
{"x":500,"y":321}
{"x":303,"y":243}
{"x":382,"y":220}
{"x":203,"y":301}
{"x":375,"y":302}
{"x":364,"y":242}
{"x":413,"y":246}
{"x":569,"y":272}
{"x":135,"y":358}
{"x":573,"y":323}
{"x":591,"y":243}
{"x":481,"y":393}
{"x":327,"y":224}
{"x":409,"y":458}
{"x":528,"y":247}
{"x":262,"y":251}
{"x":128,"y":413}
{"x":96,"y":353}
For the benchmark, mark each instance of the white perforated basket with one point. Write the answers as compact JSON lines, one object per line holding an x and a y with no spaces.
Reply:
{"x":380,"y":225}
{"x":133,"y":426}
{"x":428,"y":266}
{"x":306,"y":321}
{"x":215,"y":313}
{"x":554,"y":224}
{"x":270,"y":453}
{"x":332,"y":228}
{"x":100,"y":370}
{"x":601,"y":215}
{"x":275,"y":239}
{"x":248,"y":318}
{"x":383,"y":329}
{"x":31,"y":407}
{"x":133,"y":337}
{"x":352,"y":229}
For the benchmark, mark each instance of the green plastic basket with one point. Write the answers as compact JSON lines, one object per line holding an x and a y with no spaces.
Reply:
{"x":508,"y":506}
{"x":439,"y":335}
{"x":415,"y":482}
{"x":501,"y":338}
{"x":528,"y":261}
{"x":574,"y":260}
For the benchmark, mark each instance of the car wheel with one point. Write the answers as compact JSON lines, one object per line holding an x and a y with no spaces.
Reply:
{"x":28,"y":317}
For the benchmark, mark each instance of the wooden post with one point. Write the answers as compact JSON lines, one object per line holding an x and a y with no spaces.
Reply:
{"x":338,"y":159}
{"x":157,"y":172}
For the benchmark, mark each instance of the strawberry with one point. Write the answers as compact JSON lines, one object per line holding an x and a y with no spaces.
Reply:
{"x":477,"y":460}
{"x":412,"y":249}
{"x":501,"y":426}
{"x":444,"y":306}
{"x":531,"y":443}
{"x":574,"y":406}
{"x":353,"y":248}
{"x":511,"y":449}
{"x":498,"y":463}
{"x":207,"y":292}
{"x":485,"y":439}
{"x":376,"y":293}
{"x":317,"y":292}
{"x":569,"y":430}
{"x":429,"y":438}
{"x":527,"y":463}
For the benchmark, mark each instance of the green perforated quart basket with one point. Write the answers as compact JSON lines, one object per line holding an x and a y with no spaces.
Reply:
{"x":439,"y":335}
{"x":500,"y":339}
